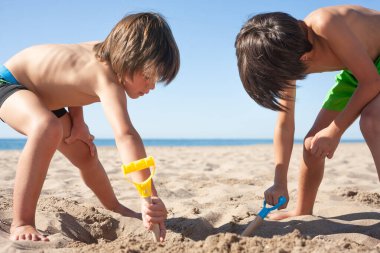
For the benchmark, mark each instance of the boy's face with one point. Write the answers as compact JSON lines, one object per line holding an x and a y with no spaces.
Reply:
{"x":139,"y":85}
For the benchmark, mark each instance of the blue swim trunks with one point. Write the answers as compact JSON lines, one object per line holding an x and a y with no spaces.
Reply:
{"x":9,"y":85}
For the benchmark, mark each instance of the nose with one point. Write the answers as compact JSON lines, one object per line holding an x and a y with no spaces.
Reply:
{"x":153,"y":85}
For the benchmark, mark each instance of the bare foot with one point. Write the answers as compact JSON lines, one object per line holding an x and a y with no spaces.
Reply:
{"x":282,"y":215}
{"x":26,"y":233}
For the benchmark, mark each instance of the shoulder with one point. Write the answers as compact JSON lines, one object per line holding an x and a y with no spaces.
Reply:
{"x":322,"y":19}
{"x":105,"y":79}
{"x":326,"y":19}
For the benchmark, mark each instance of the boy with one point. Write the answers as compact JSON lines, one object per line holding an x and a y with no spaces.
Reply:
{"x":139,"y":51}
{"x":274,"y":50}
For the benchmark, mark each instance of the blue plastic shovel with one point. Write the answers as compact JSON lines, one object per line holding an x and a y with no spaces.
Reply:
{"x":261,"y":216}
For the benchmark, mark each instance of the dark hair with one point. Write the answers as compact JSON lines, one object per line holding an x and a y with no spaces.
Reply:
{"x":141,"y":42}
{"x":268,"y":49}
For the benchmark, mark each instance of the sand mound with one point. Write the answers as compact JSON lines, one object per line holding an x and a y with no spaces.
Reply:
{"x":85,"y":224}
{"x":368,"y":198}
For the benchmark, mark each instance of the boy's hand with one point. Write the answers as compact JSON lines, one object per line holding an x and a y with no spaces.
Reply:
{"x":80,"y":131}
{"x":325,"y":142}
{"x":273,"y":193}
{"x":154,"y":213}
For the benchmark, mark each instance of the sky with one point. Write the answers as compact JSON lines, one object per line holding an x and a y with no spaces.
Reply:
{"x":207,"y":99}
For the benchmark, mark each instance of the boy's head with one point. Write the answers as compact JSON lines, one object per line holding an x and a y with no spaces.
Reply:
{"x":268,"y":49}
{"x":141,"y":42}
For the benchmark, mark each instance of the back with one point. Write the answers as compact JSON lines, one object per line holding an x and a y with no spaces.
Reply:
{"x":362,"y":23}
{"x":61,"y":74}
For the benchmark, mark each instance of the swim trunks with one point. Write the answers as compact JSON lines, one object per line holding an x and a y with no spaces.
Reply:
{"x":345,"y":86}
{"x":9,"y":85}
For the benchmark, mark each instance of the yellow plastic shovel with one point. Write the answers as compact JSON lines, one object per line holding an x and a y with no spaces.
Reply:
{"x":144,"y":188}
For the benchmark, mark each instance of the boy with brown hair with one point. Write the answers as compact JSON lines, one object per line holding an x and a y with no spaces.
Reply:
{"x":139,"y":51}
{"x":275,"y":49}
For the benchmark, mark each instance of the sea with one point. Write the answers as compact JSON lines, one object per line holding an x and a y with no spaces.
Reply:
{"x":17,"y":144}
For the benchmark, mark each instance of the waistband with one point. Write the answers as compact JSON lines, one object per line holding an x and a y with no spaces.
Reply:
{"x":7,"y":76}
{"x":377,"y":62}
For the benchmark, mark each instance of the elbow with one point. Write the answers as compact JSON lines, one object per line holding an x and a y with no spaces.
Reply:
{"x":286,"y":128}
{"x":284,"y":134}
{"x":127,"y":135}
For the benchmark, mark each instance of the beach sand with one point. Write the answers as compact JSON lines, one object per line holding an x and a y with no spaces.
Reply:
{"x":211,"y":193}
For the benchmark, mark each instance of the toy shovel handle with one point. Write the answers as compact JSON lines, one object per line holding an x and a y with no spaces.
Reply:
{"x":253,"y":226}
{"x":281,"y":201}
{"x":264,"y":212}
{"x":156,"y":229}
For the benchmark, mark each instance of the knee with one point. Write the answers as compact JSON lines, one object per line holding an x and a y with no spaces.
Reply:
{"x":47,"y":127}
{"x":307,"y":143}
{"x":307,"y":155}
{"x":369,"y":123}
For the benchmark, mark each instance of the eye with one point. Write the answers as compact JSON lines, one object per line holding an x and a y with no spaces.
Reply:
{"x":149,"y":74}
{"x":146,"y":77}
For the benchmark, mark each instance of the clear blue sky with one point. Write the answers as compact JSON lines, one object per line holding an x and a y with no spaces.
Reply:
{"x":207,"y":99}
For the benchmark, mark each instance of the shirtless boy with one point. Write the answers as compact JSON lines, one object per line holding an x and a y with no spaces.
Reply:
{"x":275,"y":49}
{"x":39,"y":82}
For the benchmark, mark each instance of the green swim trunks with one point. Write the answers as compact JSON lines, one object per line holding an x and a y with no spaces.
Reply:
{"x":345,"y":85}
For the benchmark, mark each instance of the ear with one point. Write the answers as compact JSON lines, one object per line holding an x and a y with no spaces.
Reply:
{"x":305,"y":57}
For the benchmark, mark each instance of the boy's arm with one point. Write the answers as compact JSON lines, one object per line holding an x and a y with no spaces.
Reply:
{"x":131,"y":148}
{"x":353,"y":54}
{"x":283,"y":145}
{"x":128,"y":141}
{"x":79,"y":129}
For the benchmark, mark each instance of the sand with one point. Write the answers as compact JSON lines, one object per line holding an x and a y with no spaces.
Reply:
{"x":211,"y":193}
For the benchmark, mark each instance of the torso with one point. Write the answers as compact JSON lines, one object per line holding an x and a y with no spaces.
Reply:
{"x":363,"y":23}
{"x":61,"y":75}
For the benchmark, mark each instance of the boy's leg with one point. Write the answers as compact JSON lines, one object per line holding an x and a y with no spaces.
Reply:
{"x":311,"y":170}
{"x":370,"y":127}
{"x":91,"y":170}
{"x":24,"y":112}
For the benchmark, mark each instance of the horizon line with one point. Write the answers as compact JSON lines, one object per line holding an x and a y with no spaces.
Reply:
{"x":189,"y":138}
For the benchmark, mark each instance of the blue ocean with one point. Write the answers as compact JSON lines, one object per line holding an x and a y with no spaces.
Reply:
{"x":11,"y":144}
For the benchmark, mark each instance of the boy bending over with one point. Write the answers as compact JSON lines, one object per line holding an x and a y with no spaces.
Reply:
{"x":39,"y":82}
{"x":274,"y":50}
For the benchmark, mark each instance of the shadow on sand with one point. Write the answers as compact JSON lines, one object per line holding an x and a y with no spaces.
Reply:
{"x":199,"y":228}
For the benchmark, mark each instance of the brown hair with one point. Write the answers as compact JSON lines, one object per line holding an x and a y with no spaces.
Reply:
{"x":141,"y":42}
{"x":268,"y":49}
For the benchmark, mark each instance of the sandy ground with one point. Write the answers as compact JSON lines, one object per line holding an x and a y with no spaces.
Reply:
{"x":211,"y":193}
